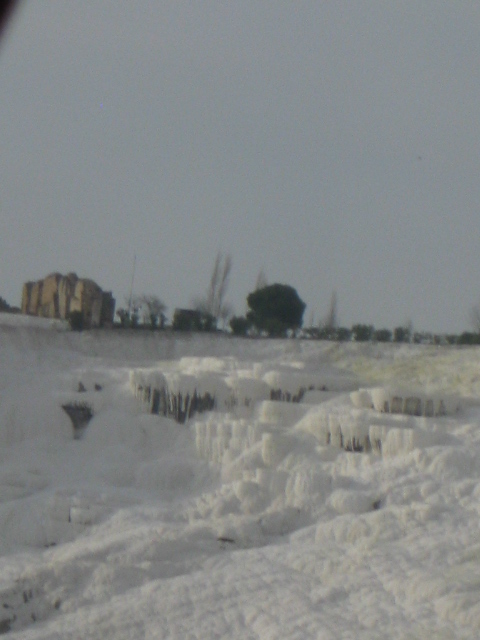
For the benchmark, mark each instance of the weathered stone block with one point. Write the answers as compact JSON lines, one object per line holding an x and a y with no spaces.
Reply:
{"x":57,"y":296}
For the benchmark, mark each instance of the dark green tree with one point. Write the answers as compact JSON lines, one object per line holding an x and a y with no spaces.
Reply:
{"x":401,"y":334}
{"x":467,"y":337}
{"x":382,"y":335}
{"x":193,"y":320}
{"x":343,"y":334}
{"x":239,"y":325}
{"x":327,"y":333}
{"x":362,"y":332}
{"x":275,"y":309}
{"x":4,"y":306}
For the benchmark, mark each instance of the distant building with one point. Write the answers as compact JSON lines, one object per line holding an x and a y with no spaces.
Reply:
{"x":57,"y":296}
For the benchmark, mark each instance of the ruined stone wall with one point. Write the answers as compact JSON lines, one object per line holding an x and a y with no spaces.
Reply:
{"x":57,"y":296}
{"x":48,"y":307}
{"x":35,"y":295}
{"x":90,"y":296}
{"x":107,"y":312}
{"x":26,"y":297}
{"x":66,"y":292}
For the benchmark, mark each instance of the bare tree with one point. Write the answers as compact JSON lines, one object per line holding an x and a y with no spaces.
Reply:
{"x":214,"y":302}
{"x":475,"y":318}
{"x":123,"y":316}
{"x":226,"y":312}
{"x":135,"y":307}
{"x":129,"y":314}
{"x":153,"y":309}
{"x":331,"y":319}
{"x":311,"y":318}
{"x":261,"y":282}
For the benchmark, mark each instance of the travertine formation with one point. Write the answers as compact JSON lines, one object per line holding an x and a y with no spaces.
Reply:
{"x":57,"y":296}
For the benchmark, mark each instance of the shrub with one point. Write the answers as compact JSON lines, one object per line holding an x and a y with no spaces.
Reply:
{"x":382,"y":335}
{"x":401,"y":334}
{"x":193,"y":320}
{"x":239,"y":325}
{"x":76,"y":321}
{"x":4,"y":306}
{"x":468,"y":337}
{"x":344,"y":334}
{"x":362,"y":332}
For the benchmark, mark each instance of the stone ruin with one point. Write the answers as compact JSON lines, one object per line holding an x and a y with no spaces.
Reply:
{"x":57,"y":296}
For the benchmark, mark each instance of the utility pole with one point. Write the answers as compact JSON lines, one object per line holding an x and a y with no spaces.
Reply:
{"x":130,"y":297}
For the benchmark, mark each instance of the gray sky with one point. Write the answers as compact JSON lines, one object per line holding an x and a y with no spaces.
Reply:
{"x":334,"y":144}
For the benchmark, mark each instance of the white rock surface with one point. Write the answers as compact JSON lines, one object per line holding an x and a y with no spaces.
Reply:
{"x":250,"y":521}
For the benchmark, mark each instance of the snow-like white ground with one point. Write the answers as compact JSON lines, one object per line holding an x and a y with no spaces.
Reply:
{"x":250,"y":521}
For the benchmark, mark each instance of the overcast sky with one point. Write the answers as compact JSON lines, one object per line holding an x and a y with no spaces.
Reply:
{"x":333,"y":144}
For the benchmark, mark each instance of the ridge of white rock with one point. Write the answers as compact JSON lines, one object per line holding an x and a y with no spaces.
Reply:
{"x":327,"y":517}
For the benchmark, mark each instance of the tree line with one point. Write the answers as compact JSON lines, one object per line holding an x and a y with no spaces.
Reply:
{"x":273,"y":310}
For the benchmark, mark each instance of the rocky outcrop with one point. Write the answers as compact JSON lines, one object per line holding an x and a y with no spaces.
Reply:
{"x":402,"y":401}
{"x":58,"y":296}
